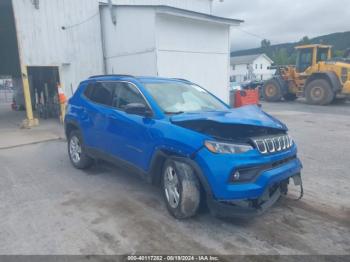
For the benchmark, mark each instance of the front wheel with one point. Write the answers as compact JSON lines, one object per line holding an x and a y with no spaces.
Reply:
{"x":181,"y":189}
{"x":272,"y":91}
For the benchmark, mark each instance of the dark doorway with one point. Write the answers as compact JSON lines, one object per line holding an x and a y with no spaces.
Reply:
{"x":9,"y":56}
{"x":43,"y":83}
{"x":10,"y":72}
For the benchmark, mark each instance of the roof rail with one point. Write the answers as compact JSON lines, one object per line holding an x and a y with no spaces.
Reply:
{"x":182,"y":79}
{"x":114,"y":75}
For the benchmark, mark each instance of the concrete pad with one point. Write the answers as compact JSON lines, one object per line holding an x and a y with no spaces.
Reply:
{"x":19,"y":138}
{"x":12,"y":135}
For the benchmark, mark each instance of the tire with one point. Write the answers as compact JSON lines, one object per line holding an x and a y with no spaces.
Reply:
{"x":180,"y":176}
{"x":319,"y":92}
{"x":272,"y":91}
{"x":78,"y":157}
{"x":290,"y":97}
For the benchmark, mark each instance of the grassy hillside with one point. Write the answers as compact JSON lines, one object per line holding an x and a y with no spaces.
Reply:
{"x":284,"y":54}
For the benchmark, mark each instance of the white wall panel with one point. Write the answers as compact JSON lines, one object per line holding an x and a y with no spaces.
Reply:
{"x":130,"y":44}
{"x":178,"y":33}
{"x":195,"y":50}
{"x":208,"y":70}
{"x":133,"y":64}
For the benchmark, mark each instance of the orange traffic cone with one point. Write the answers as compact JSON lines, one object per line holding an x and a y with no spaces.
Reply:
{"x":61,"y":96}
{"x":62,"y":100}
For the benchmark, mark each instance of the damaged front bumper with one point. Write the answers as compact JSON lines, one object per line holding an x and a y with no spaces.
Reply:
{"x":252,"y":197}
{"x":253,"y":207}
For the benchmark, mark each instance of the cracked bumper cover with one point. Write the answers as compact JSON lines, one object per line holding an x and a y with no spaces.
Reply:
{"x":244,"y":208}
{"x":235,"y":199}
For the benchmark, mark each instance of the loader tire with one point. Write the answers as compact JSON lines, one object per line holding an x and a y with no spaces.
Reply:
{"x":319,"y":92}
{"x":272,"y":91}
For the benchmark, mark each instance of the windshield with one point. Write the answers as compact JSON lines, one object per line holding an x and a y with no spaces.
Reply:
{"x":177,"y":97}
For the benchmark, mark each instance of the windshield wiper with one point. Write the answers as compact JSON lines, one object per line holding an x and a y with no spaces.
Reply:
{"x":174,"y":113}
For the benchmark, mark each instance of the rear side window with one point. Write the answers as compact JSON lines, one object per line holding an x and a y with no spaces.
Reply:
{"x":101,"y":93}
{"x":88,"y":90}
{"x":115,"y":94}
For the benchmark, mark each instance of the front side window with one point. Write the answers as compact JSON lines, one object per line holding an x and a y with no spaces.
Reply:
{"x":304,"y":59}
{"x":128,"y":94}
{"x":322,"y":54}
{"x":182,"y":97}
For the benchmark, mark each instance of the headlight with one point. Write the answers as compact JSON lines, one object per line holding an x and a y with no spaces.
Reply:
{"x":226,"y":148}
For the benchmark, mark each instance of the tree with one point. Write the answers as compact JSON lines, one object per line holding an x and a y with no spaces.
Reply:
{"x":305,"y":40}
{"x":339,"y":53}
{"x":281,"y":57}
{"x":265,"y":44}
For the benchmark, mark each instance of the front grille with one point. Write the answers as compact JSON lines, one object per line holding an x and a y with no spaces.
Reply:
{"x":273,"y":144}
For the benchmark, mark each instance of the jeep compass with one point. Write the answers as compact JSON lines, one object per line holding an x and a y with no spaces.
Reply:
{"x":179,"y":136}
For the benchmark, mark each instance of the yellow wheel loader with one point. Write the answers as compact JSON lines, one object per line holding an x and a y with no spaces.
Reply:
{"x":316,"y":76}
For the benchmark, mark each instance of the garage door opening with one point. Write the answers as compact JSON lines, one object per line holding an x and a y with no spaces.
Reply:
{"x":10,"y":70}
{"x":43,"y":82}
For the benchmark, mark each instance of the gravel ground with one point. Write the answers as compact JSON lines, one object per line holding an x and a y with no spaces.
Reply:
{"x":48,"y":207}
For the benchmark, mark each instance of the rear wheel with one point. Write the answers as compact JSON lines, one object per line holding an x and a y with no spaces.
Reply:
{"x":181,"y":189}
{"x":272,"y":91}
{"x":76,"y":151}
{"x":319,"y":92}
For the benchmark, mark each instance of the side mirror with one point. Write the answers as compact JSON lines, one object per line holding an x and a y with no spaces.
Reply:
{"x":138,"y":109}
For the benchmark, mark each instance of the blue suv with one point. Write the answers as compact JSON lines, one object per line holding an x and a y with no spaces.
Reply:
{"x":181,"y":137}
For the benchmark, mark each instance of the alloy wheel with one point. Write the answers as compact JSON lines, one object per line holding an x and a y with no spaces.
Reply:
{"x":75,"y":149}
{"x":171,"y":187}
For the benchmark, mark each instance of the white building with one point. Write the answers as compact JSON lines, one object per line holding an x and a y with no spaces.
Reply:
{"x":69,"y":40}
{"x":251,"y":67}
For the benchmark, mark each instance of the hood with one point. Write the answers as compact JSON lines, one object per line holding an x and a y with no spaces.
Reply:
{"x":247,"y":115}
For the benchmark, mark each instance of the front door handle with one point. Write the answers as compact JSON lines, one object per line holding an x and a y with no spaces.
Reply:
{"x":112,"y":117}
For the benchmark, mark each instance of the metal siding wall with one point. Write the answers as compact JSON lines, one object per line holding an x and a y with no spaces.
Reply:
{"x":196,"y":50}
{"x":77,"y":50}
{"x":130,"y":45}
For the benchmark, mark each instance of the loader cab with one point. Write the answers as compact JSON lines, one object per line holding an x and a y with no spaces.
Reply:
{"x":310,"y":55}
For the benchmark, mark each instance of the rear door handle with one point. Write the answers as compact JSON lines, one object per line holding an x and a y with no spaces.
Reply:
{"x":83,"y":113}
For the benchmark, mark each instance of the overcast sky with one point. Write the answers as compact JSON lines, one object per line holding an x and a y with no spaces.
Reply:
{"x":283,"y":20}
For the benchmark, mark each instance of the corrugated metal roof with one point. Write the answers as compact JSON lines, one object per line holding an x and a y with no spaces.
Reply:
{"x":187,"y":13}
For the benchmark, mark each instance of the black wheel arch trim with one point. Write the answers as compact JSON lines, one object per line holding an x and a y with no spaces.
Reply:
{"x":154,"y":177}
{"x":71,"y":122}
{"x":331,"y":77}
